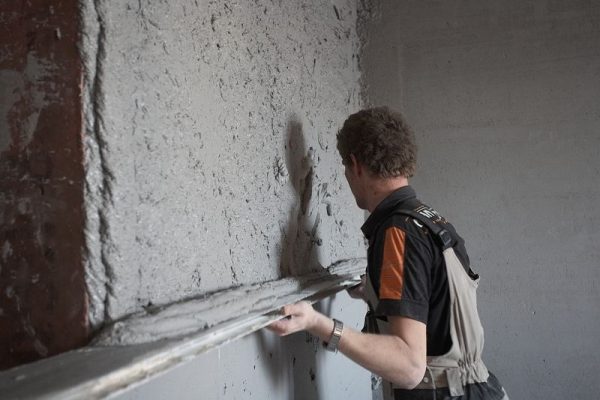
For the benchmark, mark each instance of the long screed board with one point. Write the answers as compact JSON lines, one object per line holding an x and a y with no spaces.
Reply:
{"x":130,"y":351}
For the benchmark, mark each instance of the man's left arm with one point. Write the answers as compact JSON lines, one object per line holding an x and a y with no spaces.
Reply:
{"x":399,"y":357}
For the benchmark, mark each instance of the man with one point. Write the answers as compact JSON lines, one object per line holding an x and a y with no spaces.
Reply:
{"x":422,"y":333}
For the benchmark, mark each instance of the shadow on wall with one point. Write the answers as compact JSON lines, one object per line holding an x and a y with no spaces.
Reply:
{"x":294,"y":362}
{"x":299,"y":250}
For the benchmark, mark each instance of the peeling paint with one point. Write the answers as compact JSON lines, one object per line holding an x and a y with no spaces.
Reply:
{"x":6,"y":250}
{"x":24,"y":94}
{"x":11,"y":82}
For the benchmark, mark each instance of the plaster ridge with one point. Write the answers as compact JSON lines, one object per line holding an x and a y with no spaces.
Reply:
{"x":98,"y":187}
{"x":98,"y":104}
{"x":107,"y":175}
{"x":211,"y":310}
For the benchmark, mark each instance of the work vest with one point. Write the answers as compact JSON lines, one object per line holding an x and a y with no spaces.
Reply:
{"x":462,"y":364}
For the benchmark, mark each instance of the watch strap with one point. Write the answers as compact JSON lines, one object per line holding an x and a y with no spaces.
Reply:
{"x":336,"y":335}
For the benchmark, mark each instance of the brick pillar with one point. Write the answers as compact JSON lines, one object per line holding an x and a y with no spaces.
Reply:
{"x":43,"y":304}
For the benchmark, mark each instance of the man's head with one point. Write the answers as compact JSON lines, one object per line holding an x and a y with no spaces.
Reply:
{"x":376,"y":146}
{"x":381,"y":141}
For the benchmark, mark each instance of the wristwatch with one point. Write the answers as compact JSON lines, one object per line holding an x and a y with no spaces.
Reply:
{"x":336,"y":335}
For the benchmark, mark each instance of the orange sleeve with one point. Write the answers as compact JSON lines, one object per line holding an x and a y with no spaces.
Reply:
{"x":392,"y":267}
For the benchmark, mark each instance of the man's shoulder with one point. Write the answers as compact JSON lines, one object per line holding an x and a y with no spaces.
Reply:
{"x":421,"y":236}
{"x":410,"y":226}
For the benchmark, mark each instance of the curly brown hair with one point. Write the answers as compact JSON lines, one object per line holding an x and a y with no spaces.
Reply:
{"x":381,"y":140}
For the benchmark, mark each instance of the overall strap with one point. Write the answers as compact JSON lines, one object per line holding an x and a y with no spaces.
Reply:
{"x":433,"y":221}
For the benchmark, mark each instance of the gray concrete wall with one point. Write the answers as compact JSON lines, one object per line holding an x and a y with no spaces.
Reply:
{"x":504,"y":99}
{"x":211,"y":163}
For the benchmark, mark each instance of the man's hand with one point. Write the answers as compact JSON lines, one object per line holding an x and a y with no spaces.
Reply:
{"x":399,"y":357}
{"x":358,"y":291}
{"x":298,"y":317}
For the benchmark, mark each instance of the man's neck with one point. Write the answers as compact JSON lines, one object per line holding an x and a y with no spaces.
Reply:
{"x":379,"y":189}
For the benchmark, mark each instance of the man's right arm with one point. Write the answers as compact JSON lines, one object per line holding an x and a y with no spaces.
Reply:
{"x":399,"y":356}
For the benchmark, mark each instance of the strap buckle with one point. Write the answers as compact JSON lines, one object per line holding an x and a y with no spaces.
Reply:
{"x":444,"y":238}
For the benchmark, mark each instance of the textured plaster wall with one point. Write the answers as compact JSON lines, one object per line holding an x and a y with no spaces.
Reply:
{"x":211,"y":163}
{"x":503,"y":97}
{"x":211,"y":157}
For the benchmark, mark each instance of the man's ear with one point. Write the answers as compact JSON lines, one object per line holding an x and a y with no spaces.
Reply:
{"x":355,"y":165}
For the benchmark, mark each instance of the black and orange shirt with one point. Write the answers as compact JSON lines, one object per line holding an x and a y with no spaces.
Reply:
{"x":407,"y":268}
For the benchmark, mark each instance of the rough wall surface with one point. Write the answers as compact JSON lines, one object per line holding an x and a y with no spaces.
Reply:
{"x":42,"y":287}
{"x":211,"y":145}
{"x":211,"y":163}
{"x":504,"y":100}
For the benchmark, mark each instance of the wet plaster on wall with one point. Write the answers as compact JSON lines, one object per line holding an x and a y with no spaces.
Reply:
{"x":99,"y":177}
{"x":242,"y":304}
{"x":42,"y":290}
{"x":210,"y":146}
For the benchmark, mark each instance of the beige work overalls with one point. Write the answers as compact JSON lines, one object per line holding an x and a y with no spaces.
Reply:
{"x":462,"y":364}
